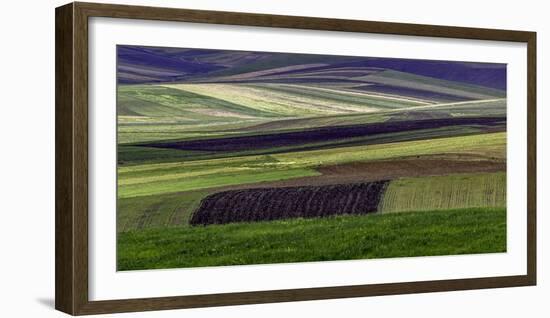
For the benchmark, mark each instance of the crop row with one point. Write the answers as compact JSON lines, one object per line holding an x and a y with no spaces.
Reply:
{"x":252,"y":205}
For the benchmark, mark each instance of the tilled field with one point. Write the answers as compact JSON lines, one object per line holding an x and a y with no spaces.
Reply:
{"x":322,"y":134}
{"x":361,"y":172}
{"x":265,"y":204}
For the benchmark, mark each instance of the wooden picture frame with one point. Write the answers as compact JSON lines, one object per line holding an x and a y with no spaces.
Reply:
{"x":72,"y":280}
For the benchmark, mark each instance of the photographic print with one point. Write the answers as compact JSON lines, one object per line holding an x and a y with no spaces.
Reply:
{"x":242,"y":157}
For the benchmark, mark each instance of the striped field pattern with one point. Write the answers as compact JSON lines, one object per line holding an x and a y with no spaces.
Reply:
{"x":240,"y":157}
{"x":445,"y":192}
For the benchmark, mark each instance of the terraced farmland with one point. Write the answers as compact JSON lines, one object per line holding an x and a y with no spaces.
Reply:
{"x":231,"y":157}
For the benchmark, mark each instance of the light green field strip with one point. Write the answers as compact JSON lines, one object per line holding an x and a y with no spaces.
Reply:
{"x":297,"y":100}
{"x":279,"y":103}
{"x":134,"y":132}
{"x":402,"y":99}
{"x":445,"y":192}
{"x":480,"y":103}
{"x":493,"y":145}
{"x":339,"y":97}
{"x":147,"y":179}
{"x":189,"y":175}
{"x":132,"y":129}
{"x":205,"y":181}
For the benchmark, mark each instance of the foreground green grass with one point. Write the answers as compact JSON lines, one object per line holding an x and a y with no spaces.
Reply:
{"x":463,"y":231}
{"x":445,"y":192}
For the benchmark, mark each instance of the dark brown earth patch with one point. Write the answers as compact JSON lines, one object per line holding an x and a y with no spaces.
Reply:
{"x":413,"y":167}
{"x":266,"y":204}
{"x":357,"y":172}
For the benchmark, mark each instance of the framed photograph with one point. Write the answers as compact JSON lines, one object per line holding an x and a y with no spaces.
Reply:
{"x":218,"y":158}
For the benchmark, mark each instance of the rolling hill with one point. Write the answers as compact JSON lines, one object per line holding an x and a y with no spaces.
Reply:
{"x":138,"y":64}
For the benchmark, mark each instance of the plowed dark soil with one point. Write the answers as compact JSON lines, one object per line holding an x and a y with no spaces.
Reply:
{"x":265,"y":204}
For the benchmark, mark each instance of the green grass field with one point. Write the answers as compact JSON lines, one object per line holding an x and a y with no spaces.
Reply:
{"x":464,"y":231}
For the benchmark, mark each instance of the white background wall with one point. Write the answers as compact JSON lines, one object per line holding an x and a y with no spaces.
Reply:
{"x":27,"y":158}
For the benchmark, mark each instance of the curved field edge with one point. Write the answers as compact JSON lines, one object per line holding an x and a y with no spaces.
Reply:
{"x":445,"y":192}
{"x":428,"y":233}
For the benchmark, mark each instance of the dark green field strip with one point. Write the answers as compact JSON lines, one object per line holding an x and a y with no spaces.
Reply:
{"x":133,"y":154}
{"x":448,"y":232}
